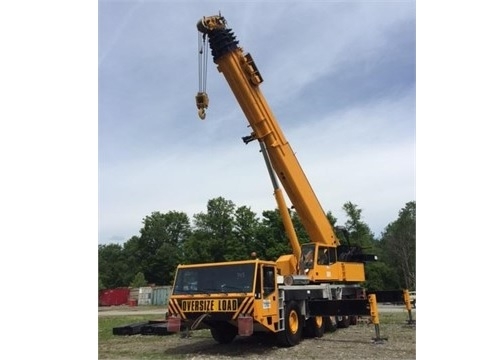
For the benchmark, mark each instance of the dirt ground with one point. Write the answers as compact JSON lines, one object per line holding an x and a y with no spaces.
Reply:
{"x":355,"y":342}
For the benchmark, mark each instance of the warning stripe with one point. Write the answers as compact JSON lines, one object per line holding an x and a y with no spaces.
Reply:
{"x":246,"y":307}
{"x":174,"y":308}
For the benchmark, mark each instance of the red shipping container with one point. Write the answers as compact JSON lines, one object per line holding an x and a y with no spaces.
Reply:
{"x":111,"y":297}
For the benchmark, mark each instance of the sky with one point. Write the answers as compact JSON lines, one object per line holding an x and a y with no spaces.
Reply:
{"x":340,"y":78}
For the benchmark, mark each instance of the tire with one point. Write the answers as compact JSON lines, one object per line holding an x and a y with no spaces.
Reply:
{"x":331,"y":324}
{"x":224,"y":333}
{"x":315,"y":327}
{"x":291,"y":335}
{"x":266,"y":338}
{"x":344,"y":321}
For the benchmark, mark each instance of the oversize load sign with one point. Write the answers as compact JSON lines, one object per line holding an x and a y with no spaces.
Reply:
{"x":223,"y":305}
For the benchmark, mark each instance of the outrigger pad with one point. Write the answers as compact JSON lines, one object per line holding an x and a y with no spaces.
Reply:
{"x":131,"y":329}
{"x":152,"y":327}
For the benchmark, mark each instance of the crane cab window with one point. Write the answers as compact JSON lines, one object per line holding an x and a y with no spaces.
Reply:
{"x":326,"y":255}
{"x":268,"y":280}
{"x":307,"y":255}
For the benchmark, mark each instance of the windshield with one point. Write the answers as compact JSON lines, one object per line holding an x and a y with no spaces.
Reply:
{"x":220,"y":279}
{"x":307,"y":254}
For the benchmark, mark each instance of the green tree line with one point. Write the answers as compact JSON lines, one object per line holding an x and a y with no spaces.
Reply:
{"x":226,"y":232}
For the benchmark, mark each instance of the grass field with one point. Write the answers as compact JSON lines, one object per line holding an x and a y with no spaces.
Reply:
{"x":355,"y":342}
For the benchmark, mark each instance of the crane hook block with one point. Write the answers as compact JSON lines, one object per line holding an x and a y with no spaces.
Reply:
{"x":201,"y":104}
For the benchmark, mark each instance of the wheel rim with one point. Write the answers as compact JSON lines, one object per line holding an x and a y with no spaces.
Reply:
{"x":293,"y":322}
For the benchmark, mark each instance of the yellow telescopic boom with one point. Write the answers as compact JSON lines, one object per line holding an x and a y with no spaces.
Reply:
{"x":244,"y":78}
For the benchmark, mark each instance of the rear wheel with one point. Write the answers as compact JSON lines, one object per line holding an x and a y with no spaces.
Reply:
{"x":315,"y":327}
{"x":291,"y":335}
{"x":331,"y":324}
{"x":224,"y":333}
{"x":344,"y":321}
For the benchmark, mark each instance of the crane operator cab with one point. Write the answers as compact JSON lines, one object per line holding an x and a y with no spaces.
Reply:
{"x":326,"y":263}
{"x":324,"y":255}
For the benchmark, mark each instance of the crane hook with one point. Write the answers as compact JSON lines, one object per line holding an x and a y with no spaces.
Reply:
{"x":201,"y":113}
{"x":201,"y":104}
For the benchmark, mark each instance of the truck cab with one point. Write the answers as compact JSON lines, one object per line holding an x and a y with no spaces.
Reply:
{"x":233,"y":298}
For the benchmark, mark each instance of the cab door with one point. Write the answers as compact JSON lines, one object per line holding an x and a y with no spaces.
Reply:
{"x":267,"y":305}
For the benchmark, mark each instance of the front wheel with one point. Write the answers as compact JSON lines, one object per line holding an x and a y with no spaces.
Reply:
{"x":291,"y":335}
{"x":224,"y":333}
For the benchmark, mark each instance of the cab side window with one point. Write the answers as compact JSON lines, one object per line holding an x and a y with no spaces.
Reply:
{"x":269,"y":280}
{"x":323,"y":256}
{"x":326,"y":255}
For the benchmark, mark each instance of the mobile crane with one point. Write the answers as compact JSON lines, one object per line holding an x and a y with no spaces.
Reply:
{"x":301,"y":294}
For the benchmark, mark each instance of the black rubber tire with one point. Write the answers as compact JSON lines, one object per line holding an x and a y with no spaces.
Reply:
{"x":344,"y":322}
{"x":224,"y":333}
{"x":330,"y":324}
{"x":291,"y":335}
{"x":315,"y":327}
